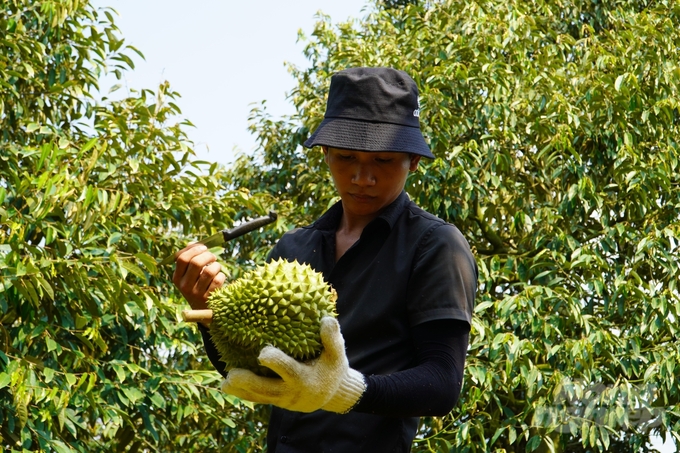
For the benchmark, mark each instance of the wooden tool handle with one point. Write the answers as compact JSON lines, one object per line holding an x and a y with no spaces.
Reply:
{"x":204,"y":316}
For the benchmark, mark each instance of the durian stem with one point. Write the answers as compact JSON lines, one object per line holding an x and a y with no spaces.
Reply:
{"x":204,"y":316}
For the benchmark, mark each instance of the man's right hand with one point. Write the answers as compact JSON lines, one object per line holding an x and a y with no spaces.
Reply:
{"x":197,"y":273}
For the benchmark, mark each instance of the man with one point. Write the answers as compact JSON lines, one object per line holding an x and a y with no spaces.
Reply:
{"x":405,"y":279}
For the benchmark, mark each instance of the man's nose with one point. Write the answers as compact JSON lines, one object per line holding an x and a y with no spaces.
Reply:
{"x":363,"y":175}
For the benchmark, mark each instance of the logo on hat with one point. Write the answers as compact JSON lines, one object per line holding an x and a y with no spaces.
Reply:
{"x":416,"y":112}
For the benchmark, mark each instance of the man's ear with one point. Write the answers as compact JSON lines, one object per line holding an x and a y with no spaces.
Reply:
{"x":324,"y":148}
{"x":415,"y":158}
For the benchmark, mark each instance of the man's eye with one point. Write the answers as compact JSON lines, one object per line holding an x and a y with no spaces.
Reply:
{"x":345,"y":156}
{"x":383,"y":160}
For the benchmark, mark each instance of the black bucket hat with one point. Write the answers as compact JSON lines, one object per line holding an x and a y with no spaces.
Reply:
{"x":372,"y":109}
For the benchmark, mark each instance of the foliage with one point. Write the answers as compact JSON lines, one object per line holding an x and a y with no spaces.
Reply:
{"x":93,"y":357}
{"x":555,"y":127}
{"x":398,"y":3}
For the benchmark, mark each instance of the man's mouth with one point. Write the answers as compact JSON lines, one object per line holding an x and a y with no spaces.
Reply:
{"x":361,"y":196}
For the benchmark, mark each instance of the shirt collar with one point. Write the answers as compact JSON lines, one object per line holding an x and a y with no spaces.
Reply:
{"x":331,"y":218}
{"x":392,"y":212}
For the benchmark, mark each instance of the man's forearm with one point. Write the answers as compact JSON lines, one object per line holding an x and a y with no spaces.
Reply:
{"x":432,"y":387}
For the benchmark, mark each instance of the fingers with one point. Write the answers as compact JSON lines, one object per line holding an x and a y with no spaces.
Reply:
{"x":217,"y":281}
{"x":282,"y":364}
{"x":183,"y":261}
{"x":197,"y":272}
{"x":207,"y":277}
{"x":331,"y":338}
{"x":248,"y":386}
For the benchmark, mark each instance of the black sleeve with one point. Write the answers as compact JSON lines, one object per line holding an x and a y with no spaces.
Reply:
{"x":432,"y":386}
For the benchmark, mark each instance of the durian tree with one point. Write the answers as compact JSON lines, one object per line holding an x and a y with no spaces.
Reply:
{"x":93,"y":354}
{"x":555,"y":125}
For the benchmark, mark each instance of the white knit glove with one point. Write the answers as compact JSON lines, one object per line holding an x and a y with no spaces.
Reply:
{"x":326,"y":382}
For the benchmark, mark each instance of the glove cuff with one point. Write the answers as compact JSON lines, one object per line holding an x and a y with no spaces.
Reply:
{"x":348,"y":394}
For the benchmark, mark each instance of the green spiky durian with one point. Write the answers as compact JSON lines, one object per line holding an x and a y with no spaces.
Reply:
{"x":280,"y":303}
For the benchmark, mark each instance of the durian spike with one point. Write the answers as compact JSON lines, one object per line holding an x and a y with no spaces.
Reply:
{"x":204,"y":316}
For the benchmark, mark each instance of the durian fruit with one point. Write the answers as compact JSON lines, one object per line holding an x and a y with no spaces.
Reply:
{"x":280,"y":303}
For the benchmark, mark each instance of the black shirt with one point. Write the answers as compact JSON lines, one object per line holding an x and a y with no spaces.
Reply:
{"x":409,"y":267}
{"x":405,"y":297}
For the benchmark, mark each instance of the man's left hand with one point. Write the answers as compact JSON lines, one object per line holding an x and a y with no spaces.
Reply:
{"x":326,"y":382}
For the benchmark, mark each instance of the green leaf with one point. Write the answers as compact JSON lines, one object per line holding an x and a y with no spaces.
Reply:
{"x":60,"y":447}
{"x":81,"y":321}
{"x":483,"y":306}
{"x":87,"y":146}
{"x":45,"y":286}
{"x":619,"y":82}
{"x":51,"y":344}
{"x":157,"y":400}
{"x":71,"y":378}
{"x":604,"y":435}
{"x":133,"y":269}
{"x":4,"y":379}
{"x":49,"y":374}
{"x":133,"y":394}
{"x":148,"y":262}
{"x":533,"y":444}
{"x":114,"y":239}
{"x":120,"y":372}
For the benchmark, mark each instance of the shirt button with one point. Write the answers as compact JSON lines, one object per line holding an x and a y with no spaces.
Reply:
{"x":284,"y":439}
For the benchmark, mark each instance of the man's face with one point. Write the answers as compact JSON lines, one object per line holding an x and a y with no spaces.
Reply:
{"x":368,"y":181}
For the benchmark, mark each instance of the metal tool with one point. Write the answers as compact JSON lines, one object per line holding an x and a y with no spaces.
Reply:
{"x":229,"y":234}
